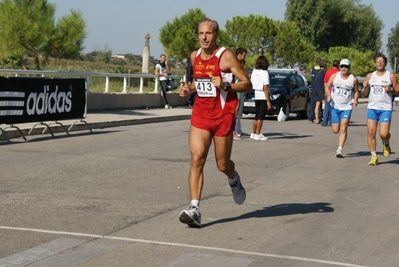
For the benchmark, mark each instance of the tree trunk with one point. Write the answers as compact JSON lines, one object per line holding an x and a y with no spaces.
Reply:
{"x":21,"y":60}
{"x":37,"y":63}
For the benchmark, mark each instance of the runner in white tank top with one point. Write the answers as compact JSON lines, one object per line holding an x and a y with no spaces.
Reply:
{"x":343,"y":97}
{"x":342,"y":92}
{"x":378,"y":97}
{"x":379,"y":86}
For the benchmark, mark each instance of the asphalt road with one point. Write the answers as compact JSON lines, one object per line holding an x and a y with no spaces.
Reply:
{"x":112,"y":198}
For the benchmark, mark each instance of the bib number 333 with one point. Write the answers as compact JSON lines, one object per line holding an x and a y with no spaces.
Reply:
{"x":205,"y":87}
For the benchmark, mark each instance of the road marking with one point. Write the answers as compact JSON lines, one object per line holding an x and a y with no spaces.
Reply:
{"x":265,"y":255}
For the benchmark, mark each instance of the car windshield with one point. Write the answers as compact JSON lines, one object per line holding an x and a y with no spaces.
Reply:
{"x":278,"y":80}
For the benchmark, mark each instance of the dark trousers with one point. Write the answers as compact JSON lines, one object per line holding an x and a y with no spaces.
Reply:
{"x":191,"y":99}
{"x":164,"y":87}
{"x":326,"y":113}
{"x":311,"y":114}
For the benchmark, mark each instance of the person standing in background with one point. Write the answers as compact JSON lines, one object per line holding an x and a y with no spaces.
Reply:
{"x":161,"y":70}
{"x":241,"y":53}
{"x":318,"y":91}
{"x":327,"y":108}
{"x":260,"y":82}
{"x":379,"y":86}
{"x":311,"y":115}
{"x":189,"y":77}
{"x":302,"y":73}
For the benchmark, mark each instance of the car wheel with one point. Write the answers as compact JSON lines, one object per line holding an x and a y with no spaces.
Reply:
{"x":304,"y":114}
{"x":286,"y":110}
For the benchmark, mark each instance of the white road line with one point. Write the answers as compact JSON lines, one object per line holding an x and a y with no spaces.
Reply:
{"x":266,"y":255}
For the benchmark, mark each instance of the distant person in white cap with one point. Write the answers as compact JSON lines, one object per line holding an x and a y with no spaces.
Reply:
{"x":343,"y":97}
{"x":379,"y":86}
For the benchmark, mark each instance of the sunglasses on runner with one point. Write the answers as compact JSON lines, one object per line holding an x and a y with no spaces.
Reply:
{"x":344,"y":66}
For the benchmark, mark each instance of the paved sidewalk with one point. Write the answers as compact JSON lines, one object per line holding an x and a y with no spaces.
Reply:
{"x":100,"y":119}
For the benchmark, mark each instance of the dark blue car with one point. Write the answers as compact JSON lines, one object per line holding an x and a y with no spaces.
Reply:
{"x":287,"y":90}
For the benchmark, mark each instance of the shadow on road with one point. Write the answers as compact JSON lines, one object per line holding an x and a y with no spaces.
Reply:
{"x":278,"y":210}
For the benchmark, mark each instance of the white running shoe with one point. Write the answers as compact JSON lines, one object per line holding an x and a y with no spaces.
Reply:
{"x":339,"y":154}
{"x":260,"y":137}
{"x":252,"y":136}
{"x":238,"y":190}
{"x":191,"y":216}
{"x":236,"y":136}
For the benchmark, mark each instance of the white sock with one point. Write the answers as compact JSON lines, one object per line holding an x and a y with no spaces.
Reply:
{"x":195,"y":203}
{"x":374,"y":153}
{"x":340,"y":148}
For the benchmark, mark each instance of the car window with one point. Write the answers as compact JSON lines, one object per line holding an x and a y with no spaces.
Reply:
{"x":293,"y":83}
{"x":277,"y":80}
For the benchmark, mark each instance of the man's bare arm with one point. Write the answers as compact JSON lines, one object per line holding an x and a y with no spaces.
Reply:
{"x":229,"y":62}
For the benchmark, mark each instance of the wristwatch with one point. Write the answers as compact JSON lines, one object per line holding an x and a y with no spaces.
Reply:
{"x":227,"y":86}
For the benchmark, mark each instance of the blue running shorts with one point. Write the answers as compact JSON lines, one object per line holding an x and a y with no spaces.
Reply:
{"x":379,"y":115}
{"x":338,"y":115}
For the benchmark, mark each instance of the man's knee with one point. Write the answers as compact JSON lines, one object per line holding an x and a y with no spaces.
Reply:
{"x":385,"y":135}
{"x":224,"y":166}
{"x":197,"y":161}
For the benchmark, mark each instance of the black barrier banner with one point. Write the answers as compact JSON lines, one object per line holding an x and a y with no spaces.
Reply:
{"x":28,"y":99}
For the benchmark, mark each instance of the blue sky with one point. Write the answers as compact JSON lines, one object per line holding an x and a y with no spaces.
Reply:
{"x":120,"y":25}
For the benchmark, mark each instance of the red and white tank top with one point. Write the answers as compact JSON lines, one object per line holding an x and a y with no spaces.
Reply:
{"x":212,"y":103}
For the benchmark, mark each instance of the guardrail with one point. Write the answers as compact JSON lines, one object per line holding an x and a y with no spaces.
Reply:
{"x":88,"y":76}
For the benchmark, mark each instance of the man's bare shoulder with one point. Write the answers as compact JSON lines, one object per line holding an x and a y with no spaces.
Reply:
{"x":228,"y":60}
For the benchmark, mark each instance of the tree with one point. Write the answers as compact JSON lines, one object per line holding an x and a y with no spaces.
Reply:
{"x":361,"y":62}
{"x":331,"y":23}
{"x":179,"y":38}
{"x":290,"y":46}
{"x":393,"y":47}
{"x":67,"y":38}
{"x":255,"y":33}
{"x":103,"y":54}
{"x":28,"y":28}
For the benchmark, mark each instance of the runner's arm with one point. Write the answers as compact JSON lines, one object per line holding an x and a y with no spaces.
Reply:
{"x":365,"y":89}
{"x":356,"y":91}
{"x":229,"y":62}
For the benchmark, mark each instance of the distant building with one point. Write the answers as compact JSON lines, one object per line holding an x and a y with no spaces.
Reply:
{"x":118,"y":56}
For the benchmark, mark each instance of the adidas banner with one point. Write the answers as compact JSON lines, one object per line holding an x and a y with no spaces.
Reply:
{"x":26,"y":99}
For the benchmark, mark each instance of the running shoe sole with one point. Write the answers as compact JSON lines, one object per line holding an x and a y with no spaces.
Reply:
{"x":373,"y":163}
{"x":187,"y":219}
